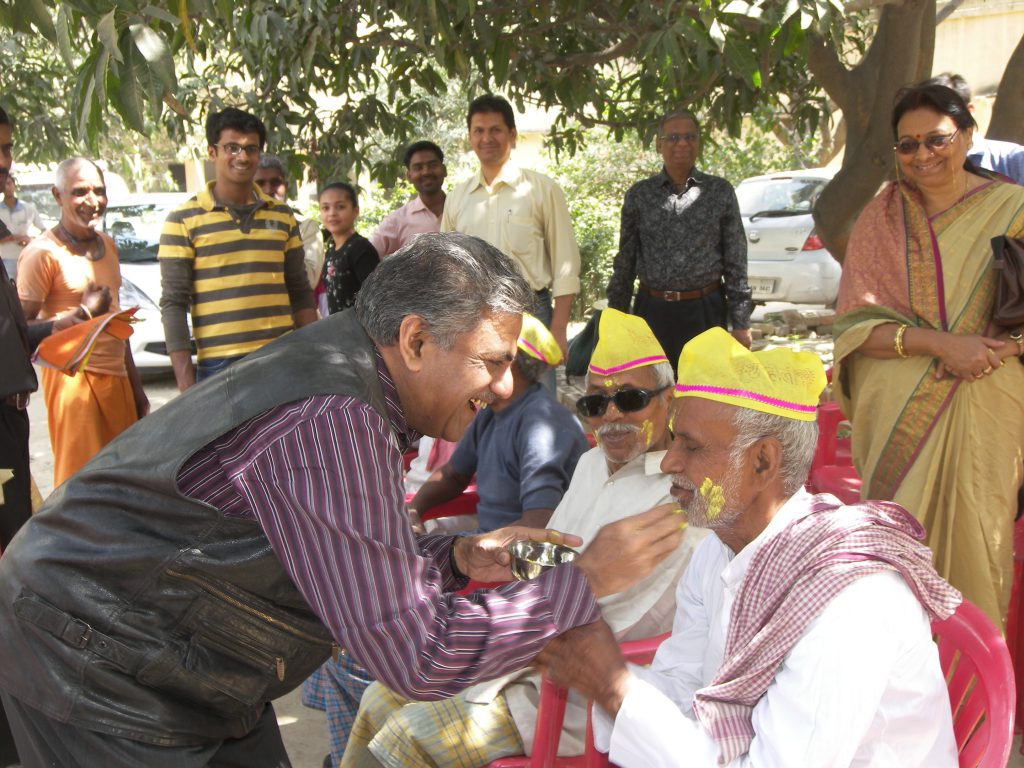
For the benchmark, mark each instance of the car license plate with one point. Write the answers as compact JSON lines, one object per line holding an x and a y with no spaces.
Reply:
{"x":761,"y":287}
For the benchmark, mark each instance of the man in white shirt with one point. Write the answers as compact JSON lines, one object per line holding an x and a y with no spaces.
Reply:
{"x":627,"y":409}
{"x":802,"y":633}
{"x":520,"y":212}
{"x":21,"y":218}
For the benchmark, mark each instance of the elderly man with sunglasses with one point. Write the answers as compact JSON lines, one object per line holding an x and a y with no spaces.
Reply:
{"x":627,"y":403}
{"x":682,"y":236}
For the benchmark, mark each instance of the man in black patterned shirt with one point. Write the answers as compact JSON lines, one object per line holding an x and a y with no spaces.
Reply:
{"x":681,"y":234}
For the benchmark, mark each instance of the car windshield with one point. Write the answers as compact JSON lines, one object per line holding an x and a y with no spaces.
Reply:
{"x":778,"y":196}
{"x":136,"y":230}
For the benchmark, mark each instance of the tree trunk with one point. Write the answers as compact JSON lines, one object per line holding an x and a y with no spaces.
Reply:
{"x":900,"y":53}
{"x":1008,"y":113}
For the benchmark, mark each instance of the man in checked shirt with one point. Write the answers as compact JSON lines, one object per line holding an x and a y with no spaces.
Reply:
{"x":204,"y":563}
{"x":681,"y":234}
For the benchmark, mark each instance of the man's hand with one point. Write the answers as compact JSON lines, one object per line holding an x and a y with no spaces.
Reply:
{"x":743,"y":336}
{"x":588,"y":659}
{"x":626,"y":551}
{"x":485,"y":557}
{"x":96,"y":299}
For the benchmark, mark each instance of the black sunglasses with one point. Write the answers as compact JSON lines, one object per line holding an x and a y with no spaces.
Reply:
{"x":626,"y":400}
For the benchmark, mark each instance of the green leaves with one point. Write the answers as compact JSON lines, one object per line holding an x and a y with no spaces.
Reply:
{"x":345,"y":81}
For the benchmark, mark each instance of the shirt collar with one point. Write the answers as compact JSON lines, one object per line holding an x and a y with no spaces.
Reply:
{"x":416,"y":205}
{"x":734,"y":572}
{"x":695,"y":178}
{"x":509,"y":174}
{"x":649,"y":463}
{"x":406,"y":434}
{"x":205,"y":198}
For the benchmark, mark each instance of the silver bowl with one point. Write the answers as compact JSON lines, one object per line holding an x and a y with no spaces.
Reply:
{"x":531,"y":558}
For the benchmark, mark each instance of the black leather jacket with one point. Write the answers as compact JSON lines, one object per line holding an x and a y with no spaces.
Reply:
{"x":130,"y":609}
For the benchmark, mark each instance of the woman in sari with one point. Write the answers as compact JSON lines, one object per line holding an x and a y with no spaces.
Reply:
{"x":933,"y":388}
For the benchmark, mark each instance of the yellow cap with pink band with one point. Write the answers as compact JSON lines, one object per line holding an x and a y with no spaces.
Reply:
{"x":624,"y":342}
{"x":537,"y":341}
{"x":778,"y":381}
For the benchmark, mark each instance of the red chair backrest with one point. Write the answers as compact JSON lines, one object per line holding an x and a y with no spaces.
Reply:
{"x":551,"y":712}
{"x":982,"y":695}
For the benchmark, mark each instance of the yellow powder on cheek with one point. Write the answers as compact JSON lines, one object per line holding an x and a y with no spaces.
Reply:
{"x":714,"y":496}
{"x":647,"y":430}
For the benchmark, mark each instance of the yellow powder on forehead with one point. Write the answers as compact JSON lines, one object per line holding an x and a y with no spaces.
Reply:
{"x":714,"y":495}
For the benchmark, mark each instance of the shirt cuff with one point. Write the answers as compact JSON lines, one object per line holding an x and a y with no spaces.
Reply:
{"x":572,"y":602}
{"x":438,"y":549}
{"x":650,"y":726}
{"x":565,"y":286}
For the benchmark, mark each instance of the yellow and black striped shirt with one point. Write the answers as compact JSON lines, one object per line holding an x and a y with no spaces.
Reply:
{"x":241,"y":273}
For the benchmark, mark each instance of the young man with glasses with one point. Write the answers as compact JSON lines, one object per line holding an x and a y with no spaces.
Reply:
{"x":233,"y":257}
{"x":682,"y":235}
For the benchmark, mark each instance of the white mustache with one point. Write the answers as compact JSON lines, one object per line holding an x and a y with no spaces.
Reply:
{"x":615,"y":429}
{"x":681,"y":482}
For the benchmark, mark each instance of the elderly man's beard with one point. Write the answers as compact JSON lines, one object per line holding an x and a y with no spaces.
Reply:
{"x":639,"y":445}
{"x":713,"y":505}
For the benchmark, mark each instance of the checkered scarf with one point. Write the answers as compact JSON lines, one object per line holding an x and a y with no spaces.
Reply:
{"x":790,"y":581}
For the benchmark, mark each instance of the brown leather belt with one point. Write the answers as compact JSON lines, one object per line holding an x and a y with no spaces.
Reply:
{"x":19,"y":401}
{"x":683,"y":295}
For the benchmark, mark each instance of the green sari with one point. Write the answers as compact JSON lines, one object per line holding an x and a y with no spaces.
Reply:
{"x":949,"y":451}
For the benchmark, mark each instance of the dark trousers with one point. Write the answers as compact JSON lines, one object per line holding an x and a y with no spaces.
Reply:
{"x":14,"y":511}
{"x":543,"y":312}
{"x":47,"y":743}
{"x":17,"y":495}
{"x":676,"y":322}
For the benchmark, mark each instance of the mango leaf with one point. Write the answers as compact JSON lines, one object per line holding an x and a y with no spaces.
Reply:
{"x":186,"y":24}
{"x":127,"y":96}
{"x":156,"y":53}
{"x":63,"y":31}
{"x":38,"y":15}
{"x":106,"y":31}
{"x":157,"y":12}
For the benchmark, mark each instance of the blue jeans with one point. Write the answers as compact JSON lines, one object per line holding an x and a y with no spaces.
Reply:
{"x":207,"y":368}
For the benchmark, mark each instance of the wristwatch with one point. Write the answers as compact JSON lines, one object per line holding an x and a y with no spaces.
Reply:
{"x":1017,"y":336}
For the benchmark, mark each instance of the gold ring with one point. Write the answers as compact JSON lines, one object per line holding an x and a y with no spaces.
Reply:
{"x":987,"y":370}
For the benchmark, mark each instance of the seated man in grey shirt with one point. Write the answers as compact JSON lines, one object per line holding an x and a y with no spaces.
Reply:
{"x":523,"y":450}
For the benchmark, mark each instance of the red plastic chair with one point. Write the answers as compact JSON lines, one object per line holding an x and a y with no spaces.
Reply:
{"x":1015,"y":620}
{"x":551,"y":712}
{"x":982,"y":695}
{"x":832,"y":468}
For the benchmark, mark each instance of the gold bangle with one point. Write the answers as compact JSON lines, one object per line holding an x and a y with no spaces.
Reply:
{"x":897,"y":341}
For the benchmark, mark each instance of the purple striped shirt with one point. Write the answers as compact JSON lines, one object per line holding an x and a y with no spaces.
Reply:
{"x":323,"y":477}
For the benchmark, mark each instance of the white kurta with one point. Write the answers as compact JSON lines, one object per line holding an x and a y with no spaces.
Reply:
{"x":594,"y":499}
{"x":862,"y":687}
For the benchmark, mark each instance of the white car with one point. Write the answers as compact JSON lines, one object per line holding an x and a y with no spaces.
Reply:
{"x":134,"y":222}
{"x":786,"y":260}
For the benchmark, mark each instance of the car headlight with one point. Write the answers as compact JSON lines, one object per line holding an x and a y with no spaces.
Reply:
{"x":131,"y":295}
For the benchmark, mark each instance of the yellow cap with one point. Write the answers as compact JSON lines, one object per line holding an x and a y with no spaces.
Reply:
{"x":536,"y":341}
{"x":779,"y":381}
{"x":624,"y":342}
